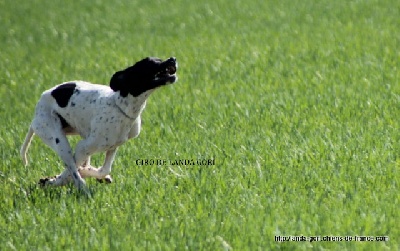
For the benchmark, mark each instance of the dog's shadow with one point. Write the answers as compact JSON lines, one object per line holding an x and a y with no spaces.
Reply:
{"x":36,"y":193}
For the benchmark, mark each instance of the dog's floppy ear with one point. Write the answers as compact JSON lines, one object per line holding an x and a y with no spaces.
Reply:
{"x":117,"y":83}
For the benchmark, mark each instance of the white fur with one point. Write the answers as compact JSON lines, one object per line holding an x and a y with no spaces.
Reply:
{"x":103,"y":119}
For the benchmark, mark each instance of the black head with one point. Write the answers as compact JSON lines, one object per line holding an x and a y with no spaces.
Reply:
{"x":147,"y":74}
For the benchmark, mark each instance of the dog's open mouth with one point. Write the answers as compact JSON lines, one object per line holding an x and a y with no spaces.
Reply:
{"x":169,"y":71}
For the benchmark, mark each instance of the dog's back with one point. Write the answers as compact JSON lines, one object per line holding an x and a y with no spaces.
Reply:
{"x":78,"y":104}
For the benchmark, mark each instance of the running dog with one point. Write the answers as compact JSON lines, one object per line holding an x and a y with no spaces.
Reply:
{"x":105,"y":117}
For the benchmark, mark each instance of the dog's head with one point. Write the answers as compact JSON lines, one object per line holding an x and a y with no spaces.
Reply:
{"x":147,"y":74}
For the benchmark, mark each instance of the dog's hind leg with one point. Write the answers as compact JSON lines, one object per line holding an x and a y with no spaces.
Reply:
{"x":59,"y":180}
{"x":62,"y":179}
{"x":49,"y":129}
{"x":25,"y":146}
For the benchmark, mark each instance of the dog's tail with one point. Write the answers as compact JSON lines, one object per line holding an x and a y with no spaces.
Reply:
{"x":26,"y":144}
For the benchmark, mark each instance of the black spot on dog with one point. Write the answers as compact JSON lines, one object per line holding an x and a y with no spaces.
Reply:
{"x":72,"y":104}
{"x":63,"y":93}
{"x":57,"y":141}
{"x":64,"y":123}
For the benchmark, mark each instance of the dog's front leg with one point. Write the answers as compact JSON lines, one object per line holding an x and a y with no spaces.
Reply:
{"x":86,"y":163}
{"x":106,"y":168}
{"x":102,"y":173}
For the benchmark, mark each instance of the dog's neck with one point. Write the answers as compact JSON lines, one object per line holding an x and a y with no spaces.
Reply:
{"x":131,"y":106}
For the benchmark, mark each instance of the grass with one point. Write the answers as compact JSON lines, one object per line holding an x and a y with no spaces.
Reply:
{"x":297,"y":102}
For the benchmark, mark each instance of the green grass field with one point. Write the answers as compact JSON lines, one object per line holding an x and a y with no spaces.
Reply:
{"x":296,"y":101}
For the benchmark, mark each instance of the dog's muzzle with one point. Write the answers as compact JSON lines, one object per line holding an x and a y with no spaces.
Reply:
{"x":168,"y":70}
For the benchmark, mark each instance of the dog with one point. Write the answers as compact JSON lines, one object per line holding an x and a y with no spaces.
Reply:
{"x":104,"y":116}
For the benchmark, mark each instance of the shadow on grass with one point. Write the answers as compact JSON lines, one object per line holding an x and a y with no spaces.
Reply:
{"x":35,"y":193}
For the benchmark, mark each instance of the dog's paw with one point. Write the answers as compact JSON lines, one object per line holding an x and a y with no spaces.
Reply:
{"x":46,"y":181}
{"x":107,"y":179}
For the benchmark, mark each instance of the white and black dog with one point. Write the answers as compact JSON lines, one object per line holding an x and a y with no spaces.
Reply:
{"x":105,"y":117}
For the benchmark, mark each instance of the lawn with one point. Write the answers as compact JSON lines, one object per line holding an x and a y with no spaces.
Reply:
{"x":295,"y":102}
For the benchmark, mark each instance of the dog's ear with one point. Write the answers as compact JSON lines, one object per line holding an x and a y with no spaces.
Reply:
{"x":117,"y":83}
